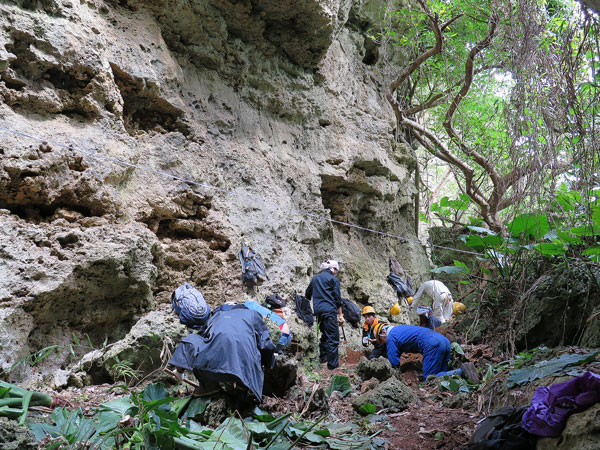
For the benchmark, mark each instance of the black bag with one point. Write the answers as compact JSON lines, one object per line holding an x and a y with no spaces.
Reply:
{"x":254,"y":271}
{"x":304,"y":310}
{"x":351,"y":312}
{"x":402,"y":288}
{"x":502,"y":430}
{"x":274,"y":301}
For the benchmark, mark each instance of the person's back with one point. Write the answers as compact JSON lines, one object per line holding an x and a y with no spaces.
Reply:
{"x":411,"y":338}
{"x":324,"y":290}
{"x":235,"y":342}
{"x":434,"y":347}
{"x":441,"y":298}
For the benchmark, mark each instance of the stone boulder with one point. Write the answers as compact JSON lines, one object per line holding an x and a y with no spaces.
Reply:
{"x":15,"y":437}
{"x":392,"y":395}
{"x":378,"y":368}
{"x":145,"y":348}
{"x":582,"y":432}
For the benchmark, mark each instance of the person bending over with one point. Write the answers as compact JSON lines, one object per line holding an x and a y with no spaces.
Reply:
{"x":434,"y":347}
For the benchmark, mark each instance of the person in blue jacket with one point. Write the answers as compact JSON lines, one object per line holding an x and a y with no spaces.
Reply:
{"x":286,"y":334}
{"x":434,"y":347}
{"x":324,"y":290}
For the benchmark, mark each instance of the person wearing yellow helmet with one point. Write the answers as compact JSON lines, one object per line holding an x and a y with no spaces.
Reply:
{"x":434,"y":347}
{"x":371,"y":321}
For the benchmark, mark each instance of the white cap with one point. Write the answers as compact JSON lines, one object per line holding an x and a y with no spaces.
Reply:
{"x":330,"y":264}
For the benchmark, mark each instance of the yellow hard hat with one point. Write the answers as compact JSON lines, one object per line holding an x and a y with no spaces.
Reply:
{"x":410,"y":299}
{"x":458,"y":307}
{"x":368,"y":310}
{"x":380,"y":329}
{"x":395,"y":310}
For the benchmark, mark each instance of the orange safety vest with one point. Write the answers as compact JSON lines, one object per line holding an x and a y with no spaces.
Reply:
{"x":368,"y":328}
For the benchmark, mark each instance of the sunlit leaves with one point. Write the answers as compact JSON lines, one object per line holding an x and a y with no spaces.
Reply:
{"x":534,"y":225}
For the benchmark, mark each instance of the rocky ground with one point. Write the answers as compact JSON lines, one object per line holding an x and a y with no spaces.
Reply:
{"x":410,"y":414}
{"x":428,"y":419}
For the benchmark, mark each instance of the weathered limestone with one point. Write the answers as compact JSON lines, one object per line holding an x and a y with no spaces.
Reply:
{"x":391,"y":394}
{"x":58,"y":278}
{"x":582,"y":432}
{"x":271,"y":117}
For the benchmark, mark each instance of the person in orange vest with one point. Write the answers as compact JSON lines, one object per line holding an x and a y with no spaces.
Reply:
{"x":371,"y":320}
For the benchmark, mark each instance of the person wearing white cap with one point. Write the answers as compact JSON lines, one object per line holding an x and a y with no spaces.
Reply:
{"x":324,"y":290}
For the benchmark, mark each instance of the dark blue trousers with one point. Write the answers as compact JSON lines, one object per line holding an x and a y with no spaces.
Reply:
{"x":330,"y":339}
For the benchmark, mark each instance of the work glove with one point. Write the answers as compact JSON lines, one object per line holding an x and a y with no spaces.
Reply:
{"x":365,"y":341}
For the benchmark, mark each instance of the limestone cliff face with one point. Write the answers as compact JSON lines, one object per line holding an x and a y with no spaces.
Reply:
{"x":275,"y":107}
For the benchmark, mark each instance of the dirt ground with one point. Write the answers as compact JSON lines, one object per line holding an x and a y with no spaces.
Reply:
{"x":427,"y":424}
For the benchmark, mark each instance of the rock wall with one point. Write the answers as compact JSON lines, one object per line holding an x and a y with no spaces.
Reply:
{"x":268,"y":115}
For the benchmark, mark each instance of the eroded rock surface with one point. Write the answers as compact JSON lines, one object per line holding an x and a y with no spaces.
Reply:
{"x":582,"y":432}
{"x":378,"y":368}
{"x":392,"y":395}
{"x":149,"y":140}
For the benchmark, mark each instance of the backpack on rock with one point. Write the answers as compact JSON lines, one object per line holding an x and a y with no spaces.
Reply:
{"x":351,"y":312}
{"x":254,"y":271}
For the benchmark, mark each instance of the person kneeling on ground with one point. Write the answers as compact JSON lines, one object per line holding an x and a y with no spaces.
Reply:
{"x":441,"y":296}
{"x":371,"y":320}
{"x":434,"y":347}
{"x":426,"y":317}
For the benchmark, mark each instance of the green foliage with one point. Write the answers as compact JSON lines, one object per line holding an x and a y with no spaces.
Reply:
{"x":340,"y":383}
{"x":150,"y":420}
{"x":366,"y":409}
{"x":510,"y":125}
{"x":70,"y":428}
{"x":457,"y":348}
{"x":56,"y":351}
{"x":455,"y":384}
{"x":123,"y":370}
{"x":555,"y":366}
{"x":451,"y":209}
{"x":573,"y":230}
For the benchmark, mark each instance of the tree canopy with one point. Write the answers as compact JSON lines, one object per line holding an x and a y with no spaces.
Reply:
{"x":505,"y":92}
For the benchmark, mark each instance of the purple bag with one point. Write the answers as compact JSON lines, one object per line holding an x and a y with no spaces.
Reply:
{"x":551,"y":406}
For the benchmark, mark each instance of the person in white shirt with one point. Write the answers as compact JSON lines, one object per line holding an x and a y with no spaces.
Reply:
{"x":442,"y":299}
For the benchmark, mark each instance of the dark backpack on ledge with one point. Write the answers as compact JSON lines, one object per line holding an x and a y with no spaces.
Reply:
{"x":254,"y":272}
{"x":351,"y":312}
{"x":402,"y":288}
{"x":304,"y":310}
